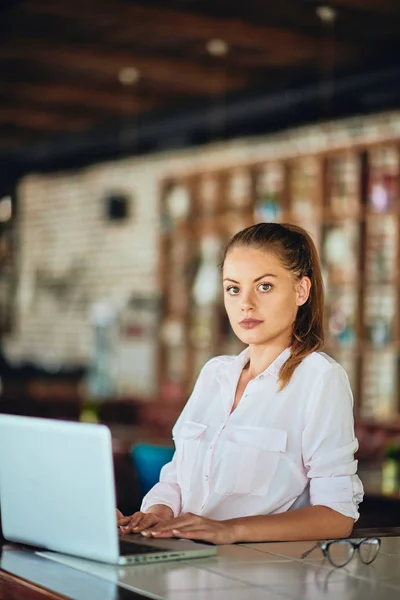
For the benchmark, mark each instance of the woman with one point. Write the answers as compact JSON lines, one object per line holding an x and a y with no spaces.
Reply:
{"x":265,"y":445}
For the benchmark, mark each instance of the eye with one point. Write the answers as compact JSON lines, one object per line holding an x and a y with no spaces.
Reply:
{"x":232,"y":290}
{"x":265,"y":287}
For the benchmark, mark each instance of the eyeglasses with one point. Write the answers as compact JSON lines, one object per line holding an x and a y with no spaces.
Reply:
{"x":340,"y":552}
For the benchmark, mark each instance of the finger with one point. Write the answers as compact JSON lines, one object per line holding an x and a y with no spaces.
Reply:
{"x":133,"y":521}
{"x":195,"y":534}
{"x":147,"y":522}
{"x":158,"y":535}
{"x":159,"y":529}
{"x":130,"y":519}
{"x":159,"y":532}
{"x":185,"y":521}
{"x":191,"y":527}
{"x":137,"y":518}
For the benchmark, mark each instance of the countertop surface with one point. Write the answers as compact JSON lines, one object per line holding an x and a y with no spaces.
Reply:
{"x":243,"y":571}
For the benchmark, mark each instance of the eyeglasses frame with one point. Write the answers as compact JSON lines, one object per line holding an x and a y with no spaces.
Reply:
{"x":355,"y":547}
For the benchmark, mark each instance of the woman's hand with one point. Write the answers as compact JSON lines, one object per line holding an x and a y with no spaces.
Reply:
{"x":139,"y":521}
{"x":193,"y":527}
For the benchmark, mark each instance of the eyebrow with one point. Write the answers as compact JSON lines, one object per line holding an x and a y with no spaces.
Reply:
{"x":255,"y":281}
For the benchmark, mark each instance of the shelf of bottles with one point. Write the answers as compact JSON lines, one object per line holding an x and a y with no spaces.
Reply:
{"x":177,"y":251}
{"x":237,"y":204}
{"x":7,"y":264}
{"x":199,"y":215}
{"x":204,"y":292}
{"x":380,"y":365}
{"x":305,"y":180}
{"x":349,"y":203}
{"x":340,"y":251}
{"x":270,"y":193}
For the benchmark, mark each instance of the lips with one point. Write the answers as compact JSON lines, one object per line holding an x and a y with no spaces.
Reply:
{"x":249,"y":323}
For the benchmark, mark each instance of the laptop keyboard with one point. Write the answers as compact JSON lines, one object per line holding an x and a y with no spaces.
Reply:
{"x":126,"y":548}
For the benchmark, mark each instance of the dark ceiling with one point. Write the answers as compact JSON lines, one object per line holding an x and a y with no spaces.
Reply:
{"x":61,"y":61}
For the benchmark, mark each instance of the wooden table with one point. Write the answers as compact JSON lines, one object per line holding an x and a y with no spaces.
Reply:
{"x":244,"y":571}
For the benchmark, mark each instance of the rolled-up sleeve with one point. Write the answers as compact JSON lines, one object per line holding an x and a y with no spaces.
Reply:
{"x":166,"y":491}
{"x":329,"y":444}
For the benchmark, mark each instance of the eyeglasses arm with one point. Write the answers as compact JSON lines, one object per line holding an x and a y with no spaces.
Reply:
{"x":305,"y":554}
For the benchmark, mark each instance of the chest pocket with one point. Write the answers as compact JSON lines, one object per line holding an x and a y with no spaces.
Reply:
{"x":187,"y":442}
{"x":250,"y":460}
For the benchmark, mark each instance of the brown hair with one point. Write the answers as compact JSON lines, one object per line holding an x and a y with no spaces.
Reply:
{"x":296,"y":250}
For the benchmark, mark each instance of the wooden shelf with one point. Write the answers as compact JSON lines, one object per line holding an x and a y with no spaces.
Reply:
{"x":370,"y":214}
{"x":330,"y":196}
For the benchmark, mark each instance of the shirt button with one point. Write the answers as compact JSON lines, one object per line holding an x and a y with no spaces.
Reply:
{"x":206,"y":477}
{"x":261,"y":376}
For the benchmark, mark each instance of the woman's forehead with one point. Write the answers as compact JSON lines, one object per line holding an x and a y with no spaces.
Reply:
{"x":250,"y":263}
{"x":248,"y":257}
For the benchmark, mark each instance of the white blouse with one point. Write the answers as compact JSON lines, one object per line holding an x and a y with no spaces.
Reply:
{"x":278,"y":450}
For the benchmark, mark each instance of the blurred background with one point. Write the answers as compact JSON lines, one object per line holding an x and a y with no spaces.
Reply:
{"x":135,"y":139}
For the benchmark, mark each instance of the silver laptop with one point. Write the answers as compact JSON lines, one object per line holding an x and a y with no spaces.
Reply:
{"x":57,"y":492}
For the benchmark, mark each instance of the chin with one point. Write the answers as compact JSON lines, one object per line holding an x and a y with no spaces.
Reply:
{"x":250,"y":337}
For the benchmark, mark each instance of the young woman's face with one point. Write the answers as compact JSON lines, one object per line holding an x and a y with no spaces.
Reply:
{"x":261,"y":297}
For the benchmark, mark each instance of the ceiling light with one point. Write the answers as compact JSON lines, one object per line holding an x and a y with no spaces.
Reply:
{"x":129,"y":75}
{"x":5,"y":209}
{"x":327,"y":14}
{"x":217,"y":47}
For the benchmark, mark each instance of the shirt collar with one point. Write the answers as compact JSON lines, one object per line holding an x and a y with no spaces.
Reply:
{"x":274,"y":368}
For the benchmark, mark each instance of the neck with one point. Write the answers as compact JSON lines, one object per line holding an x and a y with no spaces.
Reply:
{"x":261,"y":357}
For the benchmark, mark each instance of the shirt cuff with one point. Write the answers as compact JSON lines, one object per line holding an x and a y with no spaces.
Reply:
{"x":342,"y":493}
{"x":163,"y":493}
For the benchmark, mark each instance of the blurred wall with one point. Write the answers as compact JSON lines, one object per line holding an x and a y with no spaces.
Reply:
{"x":73,"y":260}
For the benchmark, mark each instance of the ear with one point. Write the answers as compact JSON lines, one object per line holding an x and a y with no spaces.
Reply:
{"x":303,"y":288}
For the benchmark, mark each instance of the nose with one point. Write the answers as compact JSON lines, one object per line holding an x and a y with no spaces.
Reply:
{"x":247,"y":302}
